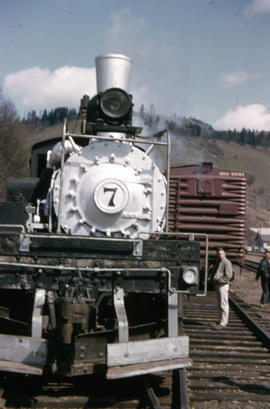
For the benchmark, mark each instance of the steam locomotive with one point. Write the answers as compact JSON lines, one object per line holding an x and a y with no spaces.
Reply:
{"x":91,"y":278}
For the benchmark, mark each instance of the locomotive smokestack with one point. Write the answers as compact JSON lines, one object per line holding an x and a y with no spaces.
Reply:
{"x":113,"y":71}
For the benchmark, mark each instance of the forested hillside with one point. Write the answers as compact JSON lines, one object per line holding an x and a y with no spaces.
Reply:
{"x":14,"y":156}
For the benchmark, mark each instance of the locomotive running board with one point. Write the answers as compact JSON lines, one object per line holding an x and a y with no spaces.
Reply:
{"x":126,"y":359}
{"x":18,"y":367}
{"x":22,"y":354}
{"x":117,"y":372}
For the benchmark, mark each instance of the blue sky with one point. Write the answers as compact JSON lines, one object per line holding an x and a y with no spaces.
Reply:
{"x":208,"y":59}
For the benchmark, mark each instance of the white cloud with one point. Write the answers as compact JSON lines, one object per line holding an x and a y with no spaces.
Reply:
{"x":237,"y":77}
{"x":258,"y":7}
{"x":155,"y":71}
{"x":39,"y":88}
{"x":254,"y":116}
{"x":127,"y":35}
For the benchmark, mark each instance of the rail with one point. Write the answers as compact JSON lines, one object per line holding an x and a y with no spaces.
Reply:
{"x":251,"y":265}
{"x":260,"y":332}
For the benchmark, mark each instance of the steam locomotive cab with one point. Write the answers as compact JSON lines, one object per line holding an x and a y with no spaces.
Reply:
{"x":90,"y":276}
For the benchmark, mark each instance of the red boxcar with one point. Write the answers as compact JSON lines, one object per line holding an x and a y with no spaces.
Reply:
{"x":204,"y":199}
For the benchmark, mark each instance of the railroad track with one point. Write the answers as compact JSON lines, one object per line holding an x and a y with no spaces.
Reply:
{"x":251,"y":265}
{"x":231,"y":367}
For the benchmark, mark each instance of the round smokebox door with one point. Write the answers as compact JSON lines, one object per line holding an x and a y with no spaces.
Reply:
{"x":111,"y":196}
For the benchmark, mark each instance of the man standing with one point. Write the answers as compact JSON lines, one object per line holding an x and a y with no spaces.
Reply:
{"x":264,"y":272}
{"x":223,"y":274}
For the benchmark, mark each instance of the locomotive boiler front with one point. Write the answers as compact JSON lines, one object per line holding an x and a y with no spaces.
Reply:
{"x":111,"y":189}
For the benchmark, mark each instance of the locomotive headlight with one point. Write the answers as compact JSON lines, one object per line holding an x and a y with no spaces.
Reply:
{"x":190,"y":275}
{"x":115,"y":103}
